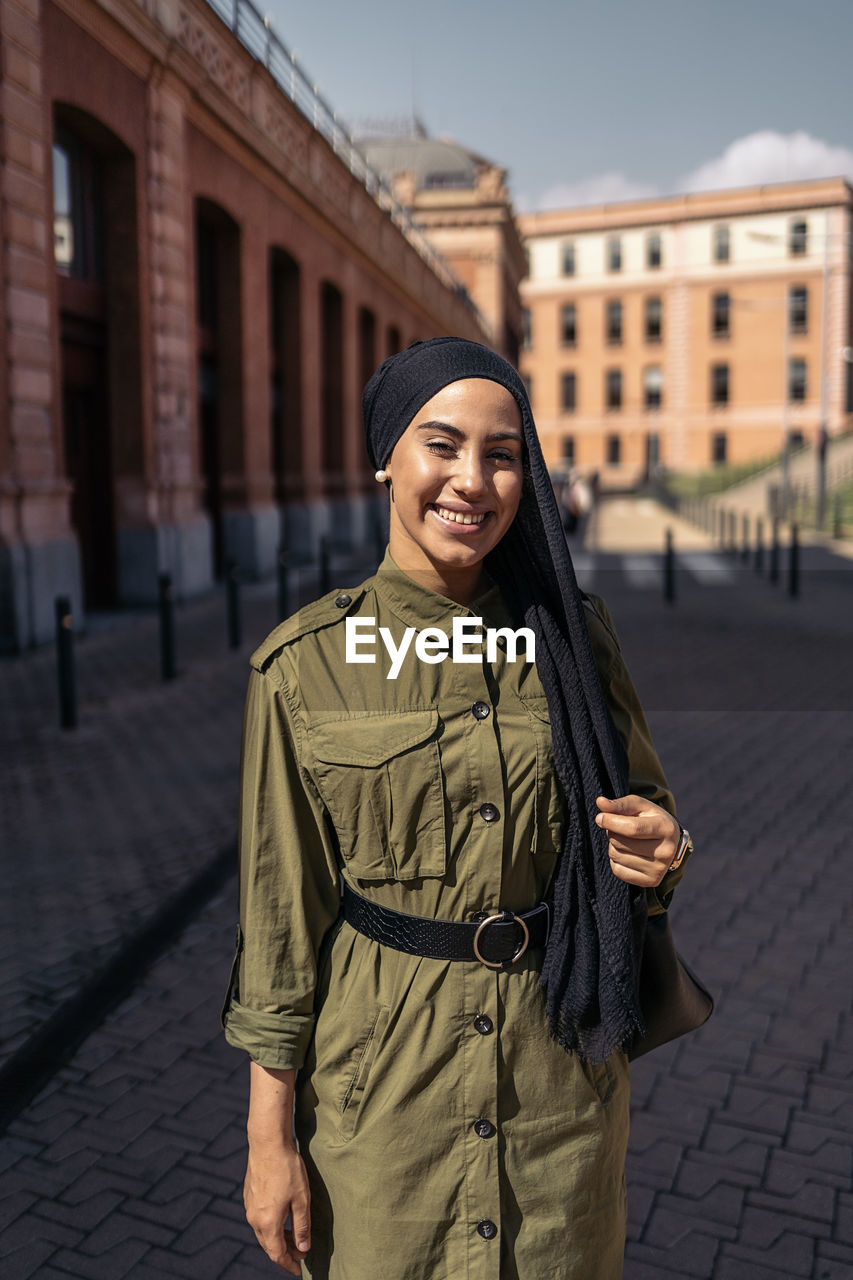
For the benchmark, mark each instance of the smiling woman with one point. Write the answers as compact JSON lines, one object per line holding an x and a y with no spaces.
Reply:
{"x":459,"y":1011}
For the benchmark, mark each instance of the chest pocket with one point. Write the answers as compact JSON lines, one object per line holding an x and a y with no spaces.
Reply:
{"x":550,"y":809}
{"x":381,"y":779}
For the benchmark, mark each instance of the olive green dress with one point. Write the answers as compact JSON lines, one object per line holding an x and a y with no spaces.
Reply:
{"x":446,"y":1135}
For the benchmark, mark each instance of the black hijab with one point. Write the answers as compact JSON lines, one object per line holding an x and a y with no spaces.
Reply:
{"x":590,"y":971}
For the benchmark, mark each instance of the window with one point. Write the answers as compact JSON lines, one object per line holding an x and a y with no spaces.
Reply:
{"x":720,"y":313}
{"x":77,"y":209}
{"x":568,"y":392}
{"x":614,"y":254}
{"x":654,"y":254}
{"x":613,"y":323}
{"x":719,"y":448}
{"x":526,"y":329}
{"x":526,"y":261}
{"x":568,"y":259}
{"x":569,"y":450}
{"x":798,"y":239}
{"x":613,"y":451}
{"x":721,"y":244}
{"x":798,"y":309}
{"x":569,"y":325}
{"x":719,"y":384}
{"x":652,"y":387}
{"x":796,"y":379}
{"x":653,"y":319}
{"x":613,"y":389}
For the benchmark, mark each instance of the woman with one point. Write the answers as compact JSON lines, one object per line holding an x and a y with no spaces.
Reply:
{"x":461,"y":1105}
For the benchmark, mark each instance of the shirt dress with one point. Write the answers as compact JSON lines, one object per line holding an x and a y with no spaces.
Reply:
{"x":446,"y":1135}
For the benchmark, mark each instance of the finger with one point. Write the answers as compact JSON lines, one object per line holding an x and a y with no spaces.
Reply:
{"x":630,"y":804}
{"x":643,"y":879}
{"x":301,"y":1229}
{"x":652,"y":828}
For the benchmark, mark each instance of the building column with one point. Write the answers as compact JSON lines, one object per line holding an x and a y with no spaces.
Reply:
{"x":306,"y":514}
{"x":39,"y":557}
{"x":163,"y":527}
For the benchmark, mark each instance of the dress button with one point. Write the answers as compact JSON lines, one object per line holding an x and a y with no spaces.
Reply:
{"x":489,"y":812}
{"x":483,"y":1024}
{"x":481,"y":710}
{"x":343,"y":600}
{"x":484,"y":1128}
{"x":487,"y":1229}
{"x":479,"y":916}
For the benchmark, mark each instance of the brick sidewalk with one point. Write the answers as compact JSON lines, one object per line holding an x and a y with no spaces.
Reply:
{"x":129,"y":1162}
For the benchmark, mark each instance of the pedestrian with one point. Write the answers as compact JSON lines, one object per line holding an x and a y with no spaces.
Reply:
{"x":449,"y":1038}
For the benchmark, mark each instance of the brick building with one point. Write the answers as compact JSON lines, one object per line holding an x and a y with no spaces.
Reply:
{"x":196,"y":282}
{"x":691,"y":330}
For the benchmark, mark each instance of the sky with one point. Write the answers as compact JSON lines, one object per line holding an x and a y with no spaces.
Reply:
{"x":585,"y":101}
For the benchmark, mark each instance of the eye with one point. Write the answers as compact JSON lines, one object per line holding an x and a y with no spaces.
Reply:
{"x":504,"y":455}
{"x":442,"y":447}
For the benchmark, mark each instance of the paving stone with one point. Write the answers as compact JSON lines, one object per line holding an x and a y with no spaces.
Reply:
{"x":790,"y":1254}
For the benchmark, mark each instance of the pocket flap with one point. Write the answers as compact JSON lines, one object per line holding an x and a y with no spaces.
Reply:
{"x":370,"y":739}
{"x":537,"y":705}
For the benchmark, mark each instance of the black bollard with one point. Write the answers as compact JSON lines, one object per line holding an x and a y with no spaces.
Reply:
{"x":794,"y":563}
{"x":759,"y":545}
{"x":283,"y":585}
{"x":65,"y":664}
{"x":166,"y":607}
{"x":774,"y":552}
{"x":325,"y":567}
{"x":721,"y":527}
{"x":837,"y":531}
{"x":669,"y":570}
{"x":732,"y":533}
{"x":378,"y":538}
{"x":232,"y":588}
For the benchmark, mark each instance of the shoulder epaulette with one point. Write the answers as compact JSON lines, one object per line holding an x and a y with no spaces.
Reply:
{"x":325,"y":612}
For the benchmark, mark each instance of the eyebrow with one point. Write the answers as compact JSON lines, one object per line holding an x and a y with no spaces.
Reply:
{"x":460,"y":435}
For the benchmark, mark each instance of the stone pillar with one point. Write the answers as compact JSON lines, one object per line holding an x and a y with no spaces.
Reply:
{"x":175,"y":537}
{"x":39,"y":558}
{"x":308,"y":519}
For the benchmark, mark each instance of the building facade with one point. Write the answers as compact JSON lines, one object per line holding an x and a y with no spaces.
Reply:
{"x":195,"y":283}
{"x":689,"y":331}
{"x":462,"y":204}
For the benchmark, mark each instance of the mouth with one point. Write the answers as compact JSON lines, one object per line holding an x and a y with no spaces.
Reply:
{"x":469,"y":521}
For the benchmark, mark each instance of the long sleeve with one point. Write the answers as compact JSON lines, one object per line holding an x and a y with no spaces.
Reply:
{"x":645,"y":772}
{"x":289,"y":885}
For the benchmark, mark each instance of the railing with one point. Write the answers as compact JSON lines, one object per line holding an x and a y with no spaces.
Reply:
{"x":257,"y":36}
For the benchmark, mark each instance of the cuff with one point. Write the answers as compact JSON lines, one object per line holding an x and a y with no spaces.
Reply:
{"x":270,"y":1039}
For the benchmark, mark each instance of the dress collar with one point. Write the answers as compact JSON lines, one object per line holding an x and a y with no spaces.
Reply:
{"x":420,"y":606}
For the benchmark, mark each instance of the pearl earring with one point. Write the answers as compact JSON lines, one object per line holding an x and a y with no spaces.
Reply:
{"x":381,"y":476}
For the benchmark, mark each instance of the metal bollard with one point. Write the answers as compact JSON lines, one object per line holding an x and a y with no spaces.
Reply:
{"x":669,"y":570}
{"x":732,"y":533}
{"x":325,"y":567}
{"x":744,"y":537}
{"x":378,"y":538}
{"x":837,"y":531}
{"x":794,"y":563}
{"x":774,"y":552}
{"x":759,"y":545}
{"x":65,"y":664}
{"x":721,"y":527}
{"x":283,"y":585}
{"x":166,"y":607}
{"x":232,"y":588}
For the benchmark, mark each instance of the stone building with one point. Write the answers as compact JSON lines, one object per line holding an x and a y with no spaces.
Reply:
{"x":462,"y":204}
{"x":689,"y":331}
{"x":196,"y":281}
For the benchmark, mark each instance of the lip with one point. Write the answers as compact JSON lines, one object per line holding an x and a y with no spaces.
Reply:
{"x":453,"y":526}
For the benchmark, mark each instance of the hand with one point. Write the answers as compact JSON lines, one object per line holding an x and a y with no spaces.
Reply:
{"x":644,"y":838}
{"x":276,"y":1187}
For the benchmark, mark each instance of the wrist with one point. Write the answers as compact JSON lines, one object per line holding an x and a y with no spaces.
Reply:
{"x":683,"y":847}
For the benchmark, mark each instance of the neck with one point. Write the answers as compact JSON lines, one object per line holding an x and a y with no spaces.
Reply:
{"x":460,"y":585}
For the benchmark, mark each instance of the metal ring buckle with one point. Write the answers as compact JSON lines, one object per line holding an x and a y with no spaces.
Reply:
{"x":501,"y":917}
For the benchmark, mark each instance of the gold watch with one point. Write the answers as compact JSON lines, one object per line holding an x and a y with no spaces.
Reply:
{"x":684,"y":844}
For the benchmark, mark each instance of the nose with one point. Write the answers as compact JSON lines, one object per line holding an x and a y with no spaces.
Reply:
{"x":470,"y":477}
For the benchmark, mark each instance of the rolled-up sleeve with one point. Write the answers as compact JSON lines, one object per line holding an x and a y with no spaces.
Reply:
{"x":645,"y":772}
{"x":289,"y":885}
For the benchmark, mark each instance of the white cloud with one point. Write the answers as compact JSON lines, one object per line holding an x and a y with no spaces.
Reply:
{"x":761,"y":157}
{"x":601,"y":188}
{"x":768,"y":156}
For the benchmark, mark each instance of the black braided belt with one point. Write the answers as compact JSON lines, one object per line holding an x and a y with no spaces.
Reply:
{"x":497,"y":941}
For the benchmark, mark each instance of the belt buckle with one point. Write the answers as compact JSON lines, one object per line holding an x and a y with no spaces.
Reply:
{"x":502,"y":917}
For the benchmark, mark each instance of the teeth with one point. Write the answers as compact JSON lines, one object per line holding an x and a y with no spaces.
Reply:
{"x":461,"y":517}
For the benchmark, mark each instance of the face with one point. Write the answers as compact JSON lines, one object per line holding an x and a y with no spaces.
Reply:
{"x":456,"y":478}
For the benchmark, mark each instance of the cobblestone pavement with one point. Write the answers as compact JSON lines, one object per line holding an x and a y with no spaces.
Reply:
{"x":128,"y":1163}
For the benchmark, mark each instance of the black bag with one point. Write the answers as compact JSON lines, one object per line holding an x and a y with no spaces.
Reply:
{"x":672,"y":998}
